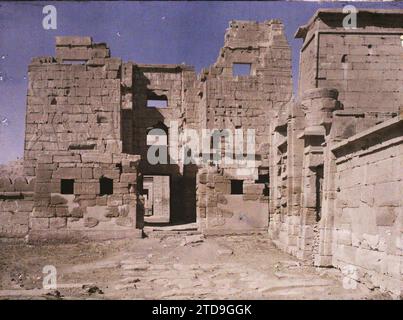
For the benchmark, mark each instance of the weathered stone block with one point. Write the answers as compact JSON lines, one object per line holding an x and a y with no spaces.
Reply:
{"x":253,"y":188}
{"x":6,"y":184}
{"x":66,"y":158}
{"x":344,"y":237}
{"x":250,"y":197}
{"x":97,"y":157}
{"x":39,"y":223}
{"x":386,"y":216}
{"x":44,"y":212}
{"x":57,"y":200}
{"x":21,"y":184}
{"x":112,"y":212}
{"x":77,"y":212}
{"x":73,"y":53}
{"x":25,"y":205}
{"x":90,"y":222}
{"x":86,"y":173}
{"x":62,"y":212}
{"x":388,"y":194}
{"x":114,"y":200}
{"x":101,"y":201}
{"x":73,"y":41}
{"x":87,"y":188}
{"x":67,"y":173}
{"x":128,"y":177}
{"x":222,"y":199}
{"x":57,"y":223}
{"x":369,"y":259}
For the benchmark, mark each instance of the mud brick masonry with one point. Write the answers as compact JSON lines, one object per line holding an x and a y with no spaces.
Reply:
{"x":327,"y":179}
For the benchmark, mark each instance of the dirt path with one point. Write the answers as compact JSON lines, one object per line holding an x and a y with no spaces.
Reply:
{"x":236,"y":267}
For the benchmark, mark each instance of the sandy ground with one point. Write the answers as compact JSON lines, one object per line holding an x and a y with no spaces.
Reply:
{"x":235,"y":267}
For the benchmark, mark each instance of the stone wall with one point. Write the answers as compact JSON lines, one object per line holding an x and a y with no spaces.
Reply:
{"x":73,"y":106}
{"x":335,"y":152}
{"x":368,"y":217}
{"x":297,"y":171}
{"x":244,"y":102}
{"x":220,"y":212}
{"x":364,"y":64}
{"x":88,"y":119}
{"x":349,"y":209}
{"x":86,"y":213}
{"x":249,"y":101}
{"x":76,"y":104}
{"x":16,"y":204}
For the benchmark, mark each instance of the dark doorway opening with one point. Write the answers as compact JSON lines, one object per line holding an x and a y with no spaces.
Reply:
{"x":264,"y":178}
{"x":319,"y":191}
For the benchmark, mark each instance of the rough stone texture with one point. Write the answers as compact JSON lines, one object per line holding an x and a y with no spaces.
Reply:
{"x":362,"y":64}
{"x":368,"y":217}
{"x":16,"y":204}
{"x":243,"y":102}
{"x":74,"y":131}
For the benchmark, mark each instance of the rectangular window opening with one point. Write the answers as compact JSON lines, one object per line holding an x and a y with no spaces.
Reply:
{"x":241,"y":69}
{"x":155,"y":101}
{"x":236,"y":186}
{"x":105,"y":186}
{"x":67,"y":186}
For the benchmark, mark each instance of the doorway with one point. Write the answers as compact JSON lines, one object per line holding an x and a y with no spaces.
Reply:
{"x":156,"y":193}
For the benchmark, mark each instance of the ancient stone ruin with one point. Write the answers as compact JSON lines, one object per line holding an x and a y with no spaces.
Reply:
{"x":324,"y":178}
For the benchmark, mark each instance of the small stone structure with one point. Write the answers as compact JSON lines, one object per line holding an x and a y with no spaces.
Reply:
{"x":325,"y":180}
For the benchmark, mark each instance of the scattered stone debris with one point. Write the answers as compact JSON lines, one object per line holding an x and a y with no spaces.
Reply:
{"x":192,"y":240}
{"x":54,"y":294}
{"x":92,"y":289}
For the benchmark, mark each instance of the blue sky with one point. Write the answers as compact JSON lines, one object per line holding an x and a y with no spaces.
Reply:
{"x":144,"y":32}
